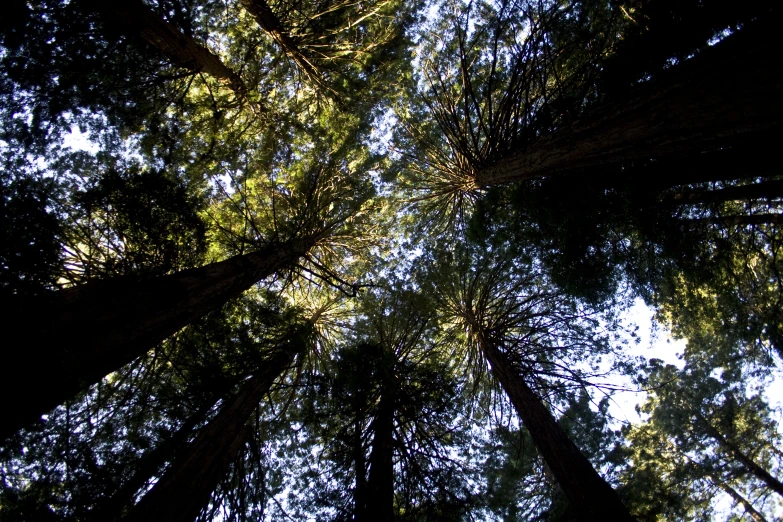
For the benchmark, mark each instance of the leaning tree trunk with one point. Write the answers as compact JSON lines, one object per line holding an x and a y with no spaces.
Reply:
{"x":185,"y":488}
{"x":733,"y":221}
{"x":589,"y":494}
{"x":753,"y":191}
{"x":750,"y":465}
{"x":693,"y":107}
{"x":71,"y":339}
{"x":360,"y":470}
{"x":380,"y":483}
{"x":149,"y":464}
{"x":270,"y":23}
{"x":134,"y":18}
{"x":739,"y":499}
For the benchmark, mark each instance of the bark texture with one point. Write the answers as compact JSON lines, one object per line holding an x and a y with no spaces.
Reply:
{"x":728,"y":92}
{"x":589,"y":494}
{"x":185,"y":489}
{"x":134,"y":18}
{"x":72,"y":338}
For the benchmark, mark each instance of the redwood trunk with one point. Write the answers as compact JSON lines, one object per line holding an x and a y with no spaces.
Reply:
{"x":135,"y":18}
{"x":589,"y":494}
{"x":693,"y":107}
{"x":729,"y":221}
{"x":763,"y":190}
{"x":734,"y":494}
{"x":186,"y":487}
{"x":270,"y":23}
{"x":71,"y":339}
{"x":360,"y":470}
{"x":149,"y":465}
{"x":380,"y":483}
{"x":732,"y":449}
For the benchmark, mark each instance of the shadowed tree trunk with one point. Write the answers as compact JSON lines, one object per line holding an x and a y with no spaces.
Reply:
{"x":692,"y":107}
{"x":729,"y":221}
{"x":185,"y":488}
{"x":134,"y":18}
{"x":589,"y":494}
{"x":763,"y":190}
{"x":739,"y":499}
{"x":750,"y":465}
{"x":380,"y":483}
{"x":270,"y":23}
{"x":148,"y":466}
{"x":360,"y":470}
{"x":72,"y":338}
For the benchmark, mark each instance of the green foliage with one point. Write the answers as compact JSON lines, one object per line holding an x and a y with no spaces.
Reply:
{"x":362,"y":125}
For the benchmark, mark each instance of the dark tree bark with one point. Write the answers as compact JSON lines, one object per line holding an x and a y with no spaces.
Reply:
{"x":360,"y":470}
{"x":149,"y":465}
{"x":380,"y":483}
{"x":72,"y":338}
{"x":185,"y":488}
{"x":753,"y":191}
{"x":133,"y":18}
{"x":728,"y":92}
{"x":739,"y":499}
{"x":729,"y":221}
{"x":270,"y":23}
{"x":589,"y":494}
{"x":750,"y":465}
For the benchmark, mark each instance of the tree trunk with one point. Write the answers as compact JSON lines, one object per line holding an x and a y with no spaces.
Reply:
{"x":149,"y":465}
{"x":187,"y":485}
{"x":730,"y":221}
{"x":763,"y":190}
{"x":134,"y":18}
{"x":360,"y":470}
{"x":270,"y":23}
{"x":380,"y":484}
{"x":692,"y":107}
{"x":71,"y":339}
{"x":590,"y":495}
{"x":734,"y":494}
{"x":732,"y":449}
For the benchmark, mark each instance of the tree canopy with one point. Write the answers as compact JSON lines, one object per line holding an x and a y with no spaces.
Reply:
{"x":374,"y":260}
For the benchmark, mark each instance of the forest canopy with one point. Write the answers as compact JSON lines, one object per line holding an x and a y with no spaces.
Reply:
{"x":374,"y":260}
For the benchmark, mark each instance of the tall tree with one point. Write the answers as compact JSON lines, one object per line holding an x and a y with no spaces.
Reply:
{"x":127,"y":316}
{"x":707,"y":430}
{"x":513,"y":325}
{"x":123,"y":318}
{"x":184,"y":490}
{"x":642,"y":125}
{"x":135,"y":18}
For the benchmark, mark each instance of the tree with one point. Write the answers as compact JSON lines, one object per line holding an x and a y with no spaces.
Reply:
{"x":139,"y":317}
{"x":95,"y":454}
{"x":706,"y":433}
{"x":508,"y":319}
{"x":184,"y":490}
{"x":379,"y":421}
{"x":499,"y":108}
{"x":135,"y":17}
{"x":641,"y":126}
{"x":260,"y":185}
